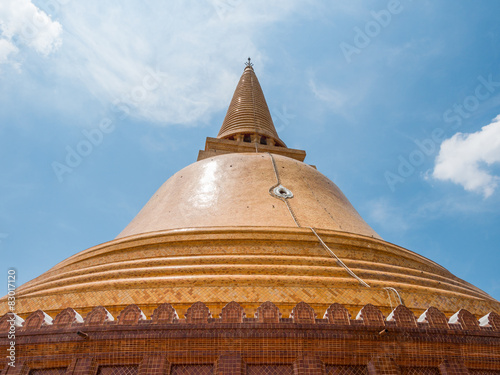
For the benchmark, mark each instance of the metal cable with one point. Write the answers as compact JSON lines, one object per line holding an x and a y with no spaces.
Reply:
{"x":285,"y":200}
{"x":275,"y":171}
{"x":339,"y":261}
{"x":397,"y":294}
{"x":291,"y":212}
{"x":390,"y":299}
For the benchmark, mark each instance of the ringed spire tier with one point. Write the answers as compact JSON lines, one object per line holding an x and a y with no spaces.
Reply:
{"x":248,"y":117}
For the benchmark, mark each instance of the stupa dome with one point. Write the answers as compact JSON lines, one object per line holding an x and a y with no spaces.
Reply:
{"x":235,"y":190}
{"x":248,"y":222}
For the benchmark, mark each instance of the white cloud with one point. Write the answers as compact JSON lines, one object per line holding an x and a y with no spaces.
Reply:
{"x":196,"y":48}
{"x":464,"y":159}
{"x":22,"y":24}
{"x":7,"y":49}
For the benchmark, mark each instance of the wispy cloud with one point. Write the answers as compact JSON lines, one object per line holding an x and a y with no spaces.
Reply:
{"x":464,"y":159}
{"x":7,"y":49}
{"x":333,"y":98}
{"x":110,"y":47}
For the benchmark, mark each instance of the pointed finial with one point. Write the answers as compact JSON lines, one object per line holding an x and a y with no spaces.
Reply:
{"x":249,"y":63}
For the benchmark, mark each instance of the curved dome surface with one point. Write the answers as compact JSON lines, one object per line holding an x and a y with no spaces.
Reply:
{"x":234,"y":190}
{"x":214,"y":233}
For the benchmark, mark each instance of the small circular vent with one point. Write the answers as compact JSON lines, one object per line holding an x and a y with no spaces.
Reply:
{"x":282,"y":192}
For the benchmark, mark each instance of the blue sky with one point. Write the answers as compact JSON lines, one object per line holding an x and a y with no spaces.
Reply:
{"x":395,"y":101}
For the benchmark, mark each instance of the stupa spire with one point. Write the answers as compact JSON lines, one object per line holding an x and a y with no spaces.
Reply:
{"x":248,"y":117}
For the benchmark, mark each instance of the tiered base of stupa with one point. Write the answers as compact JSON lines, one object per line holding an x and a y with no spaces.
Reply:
{"x":249,"y":265}
{"x":307,"y":325}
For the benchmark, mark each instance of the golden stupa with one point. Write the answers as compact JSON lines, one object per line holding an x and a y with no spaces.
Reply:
{"x":248,"y":222}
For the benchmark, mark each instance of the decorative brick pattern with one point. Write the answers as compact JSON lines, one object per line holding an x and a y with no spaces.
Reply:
{"x":270,"y":370}
{"x":164,"y":313}
{"x":403,"y":317}
{"x":118,"y":370}
{"x":383,"y":365}
{"x":229,"y":365}
{"x":21,"y":369}
{"x":453,"y":368}
{"x":466,"y":320}
{"x":192,"y":370}
{"x":303,"y":313}
{"x":277,"y":346}
{"x":37,"y":320}
{"x":5,"y":321}
{"x":232,"y":313}
{"x":371,"y":316}
{"x":99,"y":315}
{"x":346,"y":370}
{"x":308,"y":365}
{"x":154,"y":365}
{"x":198,"y":313}
{"x":84,"y":366}
{"x":337,"y":314}
{"x":131,"y":315}
{"x":49,"y":371}
{"x":268,"y":312}
{"x":419,"y":371}
{"x":67,"y":317}
{"x":435,"y":318}
{"x":491,"y":320}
